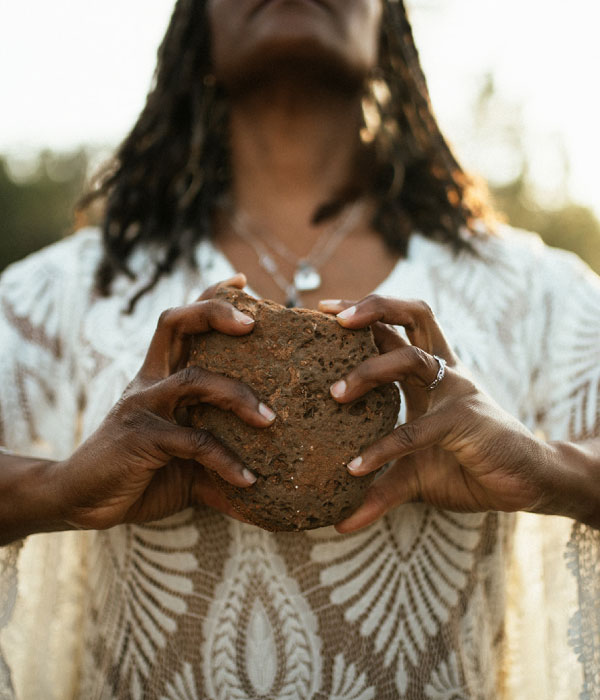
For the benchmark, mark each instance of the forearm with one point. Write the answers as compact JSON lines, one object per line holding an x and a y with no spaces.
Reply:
{"x":575,"y":487}
{"x":29,"y":502}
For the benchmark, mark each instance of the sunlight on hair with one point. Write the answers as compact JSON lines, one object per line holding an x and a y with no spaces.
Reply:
{"x":87,"y":68}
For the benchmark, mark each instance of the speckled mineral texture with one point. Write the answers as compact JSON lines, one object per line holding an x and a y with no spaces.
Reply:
{"x":290,"y":360}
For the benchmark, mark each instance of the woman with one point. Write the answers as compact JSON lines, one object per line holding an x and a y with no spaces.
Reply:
{"x":292,"y":140}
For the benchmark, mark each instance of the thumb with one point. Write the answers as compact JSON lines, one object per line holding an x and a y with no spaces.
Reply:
{"x":397,"y":485}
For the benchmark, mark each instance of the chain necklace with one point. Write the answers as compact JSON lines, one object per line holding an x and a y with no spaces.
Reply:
{"x":306,"y":273}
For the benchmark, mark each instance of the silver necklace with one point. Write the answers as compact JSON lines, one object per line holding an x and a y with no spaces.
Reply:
{"x":306,"y":273}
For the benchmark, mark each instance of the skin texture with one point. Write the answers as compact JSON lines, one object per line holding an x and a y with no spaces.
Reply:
{"x":458,"y":449}
{"x":152,"y":467}
{"x":294,"y":139}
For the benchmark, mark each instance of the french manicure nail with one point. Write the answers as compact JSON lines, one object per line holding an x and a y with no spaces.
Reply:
{"x":330,"y":302}
{"x":355,"y":464}
{"x":242,"y":318}
{"x":347,"y":313}
{"x":338,"y":389}
{"x":248,"y":476}
{"x":266,"y":412}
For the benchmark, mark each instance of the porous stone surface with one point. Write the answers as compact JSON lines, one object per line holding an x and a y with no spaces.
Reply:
{"x":290,"y":360}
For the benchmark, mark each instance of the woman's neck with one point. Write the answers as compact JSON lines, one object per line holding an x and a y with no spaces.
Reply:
{"x":292,"y":152}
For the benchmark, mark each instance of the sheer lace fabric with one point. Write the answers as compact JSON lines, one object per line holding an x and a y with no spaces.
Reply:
{"x":422,"y":604}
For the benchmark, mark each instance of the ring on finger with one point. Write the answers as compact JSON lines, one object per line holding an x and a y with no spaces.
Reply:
{"x":440,"y":374}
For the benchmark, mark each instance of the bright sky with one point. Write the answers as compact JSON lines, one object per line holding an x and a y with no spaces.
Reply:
{"x":74,"y":72}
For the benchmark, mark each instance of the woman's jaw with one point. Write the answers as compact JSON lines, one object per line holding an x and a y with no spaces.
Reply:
{"x":304,"y":43}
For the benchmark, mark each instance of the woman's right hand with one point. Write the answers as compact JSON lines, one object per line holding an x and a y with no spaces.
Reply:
{"x":141,"y":465}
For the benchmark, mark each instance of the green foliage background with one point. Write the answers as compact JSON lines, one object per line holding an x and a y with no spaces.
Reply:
{"x":38,"y":208}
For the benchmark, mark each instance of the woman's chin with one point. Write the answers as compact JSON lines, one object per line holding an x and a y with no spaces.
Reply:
{"x":292,"y":59}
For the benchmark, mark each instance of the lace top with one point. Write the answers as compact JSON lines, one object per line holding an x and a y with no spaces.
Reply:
{"x":421,"y":604}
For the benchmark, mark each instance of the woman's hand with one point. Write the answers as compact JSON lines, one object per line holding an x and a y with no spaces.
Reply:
{"x":140,"y":465}
{"x":458,"y":450}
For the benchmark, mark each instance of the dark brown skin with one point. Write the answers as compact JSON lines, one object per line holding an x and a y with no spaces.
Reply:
{"x":458,"y":449}
{"x":250,"y":34}
{"x":293,"y":147}
{"x":140,"y":465}
{"x":293,"y":138}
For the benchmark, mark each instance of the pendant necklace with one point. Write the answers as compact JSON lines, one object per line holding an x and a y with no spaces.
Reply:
{"x":306,"y":269}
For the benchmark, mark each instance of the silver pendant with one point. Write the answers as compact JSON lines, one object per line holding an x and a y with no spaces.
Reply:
{"x":306,"y":277}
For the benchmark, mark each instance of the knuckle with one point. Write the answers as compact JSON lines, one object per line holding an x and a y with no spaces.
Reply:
{"x":469,"y":388}
{"x":373,"y":299}
{"x":404,"y":436}
{"x":239,"y":394}
{"x":424,"y":311}
{"x":418,"y":358}
{"x":126,"y":406}
{"x":191,"y":376}
{"x":131,"y":417}
{"x":166,"y":318}
{"x":232,"y":395}
{"x":360,"y":373}
{"x":212,"y":307}
{"x":375,"y":304}
{"x":364,"y":376}
{"x":137,"y":385}
{"x":472,"y":407}
{"x":202,"y":441}
{"x":133,"y":422}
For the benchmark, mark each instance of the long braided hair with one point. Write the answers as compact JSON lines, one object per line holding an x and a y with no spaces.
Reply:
{"x":172,"y":168}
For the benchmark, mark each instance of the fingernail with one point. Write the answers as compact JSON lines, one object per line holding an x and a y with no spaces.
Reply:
{"x":266,"y":412}
{"x":355,"y":464}
{"x":347,"y":313}
{"x":242,"y":318}
{"x":330,"y":302}
{"x":249,"y":476}
{"x":338,"y":389}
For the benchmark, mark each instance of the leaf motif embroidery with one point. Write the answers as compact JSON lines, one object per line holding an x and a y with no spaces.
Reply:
{"x":261,"y":639}
{"x":400,"y":578}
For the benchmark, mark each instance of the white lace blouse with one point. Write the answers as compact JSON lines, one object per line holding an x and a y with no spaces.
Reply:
{"x":422,"y":604}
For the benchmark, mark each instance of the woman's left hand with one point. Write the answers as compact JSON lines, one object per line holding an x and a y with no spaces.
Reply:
{"x":458,"y":450}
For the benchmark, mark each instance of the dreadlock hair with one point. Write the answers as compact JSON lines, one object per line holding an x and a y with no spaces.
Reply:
{"x":172,"y":168}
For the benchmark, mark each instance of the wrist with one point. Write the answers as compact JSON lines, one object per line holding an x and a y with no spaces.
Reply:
{"x":29,"y":498}
{"x":575,"y":483}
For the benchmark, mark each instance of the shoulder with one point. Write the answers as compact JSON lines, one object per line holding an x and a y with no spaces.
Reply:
{"x":511,"y":248}
{"x":512,"y":263}
{"x":45,"y":293}
{"x":77,"y":254}
{"x":496,"y":272}
{"x":526,"y":252}
{"x":553,"y":283}
{"x":516,"y":290}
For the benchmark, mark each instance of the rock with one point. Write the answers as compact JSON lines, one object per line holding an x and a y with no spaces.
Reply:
{"x":290,"y":360}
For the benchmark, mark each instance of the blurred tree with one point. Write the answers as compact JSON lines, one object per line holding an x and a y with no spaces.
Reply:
{"x":570,"y":226}
{"x":37,"y":207}
{"x":505,"y":158}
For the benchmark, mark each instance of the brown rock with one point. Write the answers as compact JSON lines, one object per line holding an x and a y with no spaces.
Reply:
{"x":290,"y":360}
